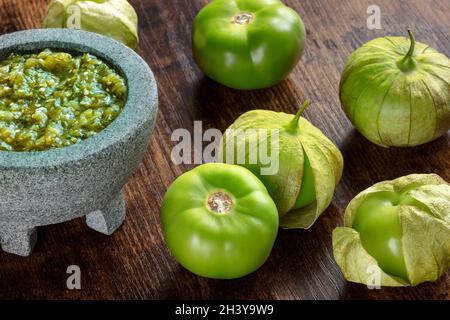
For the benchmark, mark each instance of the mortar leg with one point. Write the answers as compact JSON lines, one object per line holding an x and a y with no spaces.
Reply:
{"x":17,"y":240}
{"x":108,"y":219}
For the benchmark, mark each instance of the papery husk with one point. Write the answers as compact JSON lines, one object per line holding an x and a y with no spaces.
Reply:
{"x":325,"y":159}
{"x":391,"y":107}
{"x":113,"y":18}
{"x":426,"y":233}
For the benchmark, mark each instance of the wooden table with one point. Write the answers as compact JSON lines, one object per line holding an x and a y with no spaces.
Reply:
{"x":134,"y":263}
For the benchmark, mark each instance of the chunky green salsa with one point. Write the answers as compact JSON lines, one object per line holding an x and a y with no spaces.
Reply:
{"x":54,"y":99}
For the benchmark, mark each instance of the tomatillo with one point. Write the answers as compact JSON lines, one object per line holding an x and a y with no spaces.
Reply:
{"x":297,"y":163}
{"x":397,"y":231}
{"x":396,"y":93}
{"x":219,"y":221}
{"x":112,"y":18}
{"x":247,"y":44}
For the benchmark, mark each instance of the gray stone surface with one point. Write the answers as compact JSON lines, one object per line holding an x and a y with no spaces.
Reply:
{"x":85,"y":179}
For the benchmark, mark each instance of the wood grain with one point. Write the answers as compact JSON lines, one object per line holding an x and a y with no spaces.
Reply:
{"x":134,"y":263}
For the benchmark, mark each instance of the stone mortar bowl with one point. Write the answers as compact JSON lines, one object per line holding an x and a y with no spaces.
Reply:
{"x":85,"y":179}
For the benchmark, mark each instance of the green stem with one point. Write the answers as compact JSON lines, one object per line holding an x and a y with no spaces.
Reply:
{"x":407,"y":63}
{"x":293,"y":124}
{"x":413,"y":45}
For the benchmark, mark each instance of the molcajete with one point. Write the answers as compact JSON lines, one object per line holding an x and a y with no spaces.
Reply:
{"x":85,"y":179}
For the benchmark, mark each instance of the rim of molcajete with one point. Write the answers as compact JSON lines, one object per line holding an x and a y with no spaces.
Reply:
{"x":139,"y":109}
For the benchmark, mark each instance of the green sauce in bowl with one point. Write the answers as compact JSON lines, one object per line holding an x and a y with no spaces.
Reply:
{"x":54,"y":99}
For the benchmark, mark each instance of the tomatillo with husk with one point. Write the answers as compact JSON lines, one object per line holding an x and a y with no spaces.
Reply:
{"x":247,"y":44}
{"x":396,"y":91}
{"x":116,"y":19}
{"x":297,"y":163}
{"x":219,"y":221}
{"x":396,"y":233}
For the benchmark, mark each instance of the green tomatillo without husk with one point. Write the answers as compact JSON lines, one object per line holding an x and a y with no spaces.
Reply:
{"x":396,"y":91}
{"x":397,"y":233}
{"x":113,"y":18}
{"x":219,"y":221}
{"x":247,"y":44}
{"x":305,"y":165}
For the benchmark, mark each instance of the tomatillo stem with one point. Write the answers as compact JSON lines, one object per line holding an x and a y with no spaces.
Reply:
{"x":413,"y":44}
{"x":243,"y":18}
{"x":219,"y":202}
{"x":407,"y":63}
{"x":293,"y":124}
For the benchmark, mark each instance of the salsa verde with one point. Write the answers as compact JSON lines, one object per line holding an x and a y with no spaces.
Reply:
{"x":55,"y":99}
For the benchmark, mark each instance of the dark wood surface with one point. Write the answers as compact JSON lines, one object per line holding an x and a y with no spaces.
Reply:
{"x":134,"y":263}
